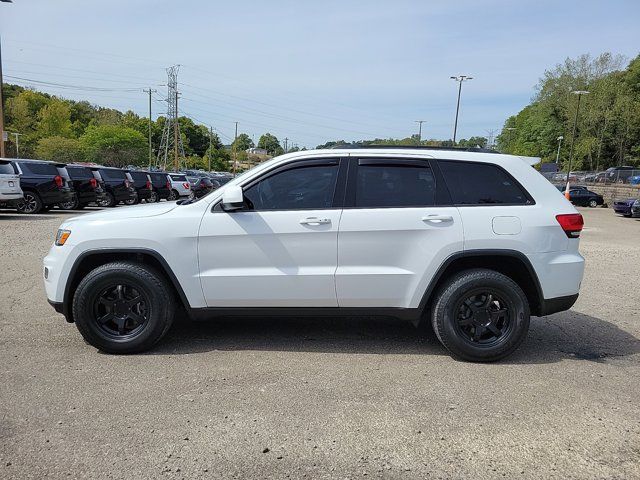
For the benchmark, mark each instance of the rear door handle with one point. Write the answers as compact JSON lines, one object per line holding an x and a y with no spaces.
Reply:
{"x":314,"y":221}
{"x":437,"y":218}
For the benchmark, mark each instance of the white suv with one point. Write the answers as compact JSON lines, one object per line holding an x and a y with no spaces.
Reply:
{"x":473,"y":242}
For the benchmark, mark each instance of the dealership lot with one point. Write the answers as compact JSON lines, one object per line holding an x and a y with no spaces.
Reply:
{"x":322,"y":398}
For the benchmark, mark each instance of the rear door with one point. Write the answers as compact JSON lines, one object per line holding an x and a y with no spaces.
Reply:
{"x":397,"y":228}
{"x":9,"y":180}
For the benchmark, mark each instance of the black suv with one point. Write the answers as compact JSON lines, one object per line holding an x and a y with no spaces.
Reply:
{"x":85,"y":185}
{"x":161,"y":186}
{"x":142,"y":184}
{"x":116,"y":185}
{"x":42,"y":184}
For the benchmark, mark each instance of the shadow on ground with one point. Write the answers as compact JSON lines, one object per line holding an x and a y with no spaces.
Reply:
{"x":569,"y":335}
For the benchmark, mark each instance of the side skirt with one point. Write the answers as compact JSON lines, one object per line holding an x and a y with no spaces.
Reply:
{"x":204,"y":314}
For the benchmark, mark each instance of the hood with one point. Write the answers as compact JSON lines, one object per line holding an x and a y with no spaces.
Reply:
{"x":138,"y":211}
{"x":626,"y":200}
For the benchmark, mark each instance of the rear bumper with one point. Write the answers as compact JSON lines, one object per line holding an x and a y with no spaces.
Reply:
{"x":558,"y":304}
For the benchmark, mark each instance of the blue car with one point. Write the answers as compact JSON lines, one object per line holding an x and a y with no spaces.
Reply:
{"x":635,"y":180}
{"x":625,"y":207}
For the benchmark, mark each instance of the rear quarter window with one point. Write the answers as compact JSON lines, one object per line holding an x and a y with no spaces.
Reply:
{"x":79,"y":173}
{"x":158,"y":178}
{"x":139,"y":176}
{"x":39,"y":168}
{"x":482,"y":184}
{"x":178,"y":178}
{"x":6,"y":168}
{"x":113,"y":174}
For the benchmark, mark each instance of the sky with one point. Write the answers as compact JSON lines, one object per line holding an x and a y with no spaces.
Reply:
{"x":311,"y":71}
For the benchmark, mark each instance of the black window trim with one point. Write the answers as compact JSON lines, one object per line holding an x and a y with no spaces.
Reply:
{"x":531,"y":201}
{"x":442,"y":198}
{"x":338,"y":192}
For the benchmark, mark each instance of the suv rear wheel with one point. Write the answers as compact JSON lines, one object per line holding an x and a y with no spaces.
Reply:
{"x":30,"y":203}
{"x":174,"y":195}
{"x":123,"y":307}
{"x":108,"y":200}
{"x":70,"y":205}
{"x":480,"y":315}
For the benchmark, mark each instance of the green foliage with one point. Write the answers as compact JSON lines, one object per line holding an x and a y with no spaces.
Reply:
{"x":608,"y":127}
{"x":60,"y":149}
{"x":270,"y":143}
{"x":243,"y":142}
{"x":54,"y":119}
{"x":114,"y":145}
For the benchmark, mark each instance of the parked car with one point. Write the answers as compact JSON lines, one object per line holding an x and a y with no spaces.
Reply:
{"x":161,"y":186}
{"x":201,"y":186}
{"x":332,"y":232}
{"x":635,"y":209}
{"x":142,"y":183}
{"x":563,"y":188}
{"x":116,"y":184}
{"x":619,"y":174}
{"x":42,"y":185}
{"x":85,"y":186}
{"x":180,"y":186}
{"x":10,"y":190}
{"x":221,"y":178}
{"x":585,"y":198}
{"x":635,"y":180}
{"x":624,"y":207}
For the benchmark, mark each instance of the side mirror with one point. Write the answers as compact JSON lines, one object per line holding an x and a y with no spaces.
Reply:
{"x":232,"y":199}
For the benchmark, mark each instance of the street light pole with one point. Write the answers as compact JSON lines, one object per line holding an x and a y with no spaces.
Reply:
{"x":560,"y":138}
{"x":573,"y":138}
{"x":459,"y":79}
{"x":16,"y":135}
{"x":420,"y":122}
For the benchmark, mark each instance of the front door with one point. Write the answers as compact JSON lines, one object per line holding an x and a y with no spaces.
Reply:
{"x":279,"y":251}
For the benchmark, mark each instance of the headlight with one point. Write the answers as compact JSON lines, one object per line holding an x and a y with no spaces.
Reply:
{"x":62,"y":236}
{"x":636,"y":203}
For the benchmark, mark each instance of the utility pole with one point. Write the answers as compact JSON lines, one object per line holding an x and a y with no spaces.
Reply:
{"x":235,"y":157}
{"x":286,"y":144}
{"x":560,"y":138}
{"x":210,"y":145}
{"x":420,"y":122}
{"x":459,"y":79}
{"x":2,"y":153}
{"x":150,"y":91}
{"x":579,"y":93}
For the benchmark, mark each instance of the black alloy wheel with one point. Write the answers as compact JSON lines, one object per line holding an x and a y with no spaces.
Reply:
{"x":70,"y":205}
{"x":483,"y":317}
{"x":121,"y":310}
{"x":593,"y":203}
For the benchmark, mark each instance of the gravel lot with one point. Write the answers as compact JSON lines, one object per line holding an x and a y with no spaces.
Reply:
{"x":322,"y":398}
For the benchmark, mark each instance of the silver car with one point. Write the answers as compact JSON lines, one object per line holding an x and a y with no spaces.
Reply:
{"x":180,"y":186}
{"x":9,"y":183}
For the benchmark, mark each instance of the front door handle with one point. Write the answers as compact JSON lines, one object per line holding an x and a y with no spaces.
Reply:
{"x":437,"y":218}
{"x":315,"y":221}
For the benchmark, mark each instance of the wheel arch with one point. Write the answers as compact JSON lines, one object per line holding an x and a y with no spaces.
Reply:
{"x":511,"y":263}
{"x":91,"y":259}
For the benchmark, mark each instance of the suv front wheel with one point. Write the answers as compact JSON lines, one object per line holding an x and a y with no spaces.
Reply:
{"x":480,"y":315}
{"x":123,"y":307}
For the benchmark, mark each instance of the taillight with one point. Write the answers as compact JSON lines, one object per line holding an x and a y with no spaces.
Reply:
{"x":58,"y":180}
{"x":168,"y":185}
{"x":127,"y":183}
{"x":571,"y":223}
{"x":148,"y":185}
{"x":93,"y":182}
{"x":187,"y":185}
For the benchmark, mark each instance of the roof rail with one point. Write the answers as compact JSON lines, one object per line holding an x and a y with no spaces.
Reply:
{"x":413,"y":147}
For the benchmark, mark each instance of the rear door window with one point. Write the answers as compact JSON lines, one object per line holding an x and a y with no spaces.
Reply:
{"x":397,"y":183}
{"x":472,"y":183}
{"x":158,"y":179}
{"x":6,"y":168}
{"x":139,"y":178}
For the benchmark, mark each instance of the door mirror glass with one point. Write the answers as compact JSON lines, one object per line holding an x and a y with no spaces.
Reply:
{"x":232,"y":199}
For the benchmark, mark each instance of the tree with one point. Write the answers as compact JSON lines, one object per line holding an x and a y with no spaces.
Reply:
{"x":243,"y":142}
{"x":54,"y":119}
{"x":60,"y":149}
{"x":114,"y":145}
{"x":270,"y":143}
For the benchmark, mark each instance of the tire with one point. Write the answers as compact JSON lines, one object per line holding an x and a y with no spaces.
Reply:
{"x":108,"y":201}
{"x":107,"y":318}
{"x":153,"y":198}
{"x":174,"y":195}
{"x":30,"y":203}
{"x":72,"y":204}
{"x":473,"y":304}
{"x":132,"y":201}
{"x":593,"y":203}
